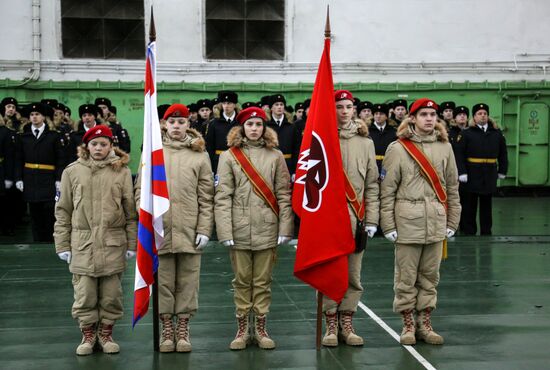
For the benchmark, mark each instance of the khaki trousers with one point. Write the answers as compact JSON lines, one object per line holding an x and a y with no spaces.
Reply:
{"x":355,"y":289}
{"x":178,"y":276}
{"x":252,"y":281}
{"x":416,"y":276}
{"x":97,"y":298}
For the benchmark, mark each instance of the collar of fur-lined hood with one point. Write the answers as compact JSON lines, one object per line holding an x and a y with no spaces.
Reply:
{"x":354,"y":127}
{"x":236,"y":138}
{"x":193,"y":141}
{"x":405,"y":130}
{"x":117,"y":158}
{"x":491,"y":122}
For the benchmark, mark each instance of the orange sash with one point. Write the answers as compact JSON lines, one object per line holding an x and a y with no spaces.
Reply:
{"x":430,"y":174}
{"x":358,"y":208}
{"x":258,"y":183}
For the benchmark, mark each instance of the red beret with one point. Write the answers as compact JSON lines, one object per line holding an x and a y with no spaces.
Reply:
{"x":251,"y":112}
{"x":97,"y":131}
{"x":342,"y":95}
{"x":423,"y":103}
{"x":176,"y":110}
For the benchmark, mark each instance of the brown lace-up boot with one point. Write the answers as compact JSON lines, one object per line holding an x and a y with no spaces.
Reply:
{"x":105,"y":338}
{"x":424,"y":330}
{"x":331,"y":335}
{"x":89,"y":338}
{"x":243,"y":336}
{"x":260,"y":333}
{"x":167,"y":343}
{"x":182,"y":334}
{"x":407,"y":334}
{"x":346,"y":332}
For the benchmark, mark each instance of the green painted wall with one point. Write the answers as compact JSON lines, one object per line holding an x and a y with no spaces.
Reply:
{"x":508,"y":102}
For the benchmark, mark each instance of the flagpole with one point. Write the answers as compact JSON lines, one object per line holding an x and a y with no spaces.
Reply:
{"x":319,"y":320}
{"x":319,"y":325}
{"x":155,"y":293}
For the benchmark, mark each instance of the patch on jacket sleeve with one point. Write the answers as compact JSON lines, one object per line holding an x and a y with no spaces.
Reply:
{"x":57,"y":195}
{"x":382,"y":174}
{"x":216,"y":180}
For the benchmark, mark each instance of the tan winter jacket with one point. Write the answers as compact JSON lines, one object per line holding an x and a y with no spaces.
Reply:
{"x":96,"y":215}
{"x":408,"y":203}
{"x":359,"y":162}
{"x":242,"y":215}
{"x":191,"y":190}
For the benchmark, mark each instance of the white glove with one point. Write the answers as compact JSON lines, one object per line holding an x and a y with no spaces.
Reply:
{"x":463,"y":178}
{"x":228,"y":243}
{"x":283,"y":239}
{"x":450,"y":233}
{"x":8,"y":184}
{"x":19,"y":185}
{"x":65,"y":256}
{"x":58,"y":186}
{"x":130,"y":254}
{"x":501,"y":176}
{"x":392,"y":237}
{"x":201,"y":241}
{"x":371,"y":230}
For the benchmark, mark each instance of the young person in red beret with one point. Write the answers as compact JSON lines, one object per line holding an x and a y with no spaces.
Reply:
{"x":187,"y":227}
{"x":95,"y":233}
{"x":249,"y":224}
{"x":417,"y":213}
{"x":359,"y":163}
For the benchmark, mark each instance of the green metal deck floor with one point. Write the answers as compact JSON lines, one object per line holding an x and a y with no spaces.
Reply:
{"x":493,"y":309}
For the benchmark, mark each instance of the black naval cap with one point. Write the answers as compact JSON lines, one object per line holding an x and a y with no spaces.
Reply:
{"x":461,"y":109}
{"x":113,"y":109}
{"x":50,"y":102}
{"x":193,"y":107}
{"x":381,"y":107}
{"x":298,"y":105}
{"x":307,"y":103}
{"x":365,"y":105}
{"x":228,"y":96}
{"x":400,"y":103}
{"x":59,"y":106}
{"x":447,"y":105}
{"x":249,"y":104}
{"x":161,"y":109}
{"x":289,"y":108}
{"x":356,"y":101}
{"x":6,"y":101}
{"x":87,"y":108}
{"x":277,"y":98}
{"x":38,"y":107}
{"x":480,"y":106}
{"x":67,"y":110}
{"x":103,"y":101}
{"x":204,"y":103}
{"x":265,"y":100}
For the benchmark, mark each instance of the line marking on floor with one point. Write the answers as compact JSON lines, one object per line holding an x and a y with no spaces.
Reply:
{"x":395,"y":336}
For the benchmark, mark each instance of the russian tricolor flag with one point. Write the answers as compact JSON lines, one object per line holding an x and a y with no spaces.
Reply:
{"x":154,"y":201}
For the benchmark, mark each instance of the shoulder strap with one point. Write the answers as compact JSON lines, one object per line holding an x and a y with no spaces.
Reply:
{"x":428,"y":170}
{"x":258,"y":183}
{"x":430,"y":174}
{"x":358,"y":208}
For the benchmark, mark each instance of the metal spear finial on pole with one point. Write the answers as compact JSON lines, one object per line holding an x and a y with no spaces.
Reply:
{"x":327,"y":25}
{"x":152,"y":30}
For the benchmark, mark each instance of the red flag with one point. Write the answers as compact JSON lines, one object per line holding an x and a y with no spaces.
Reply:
{"x":319,"y":197}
